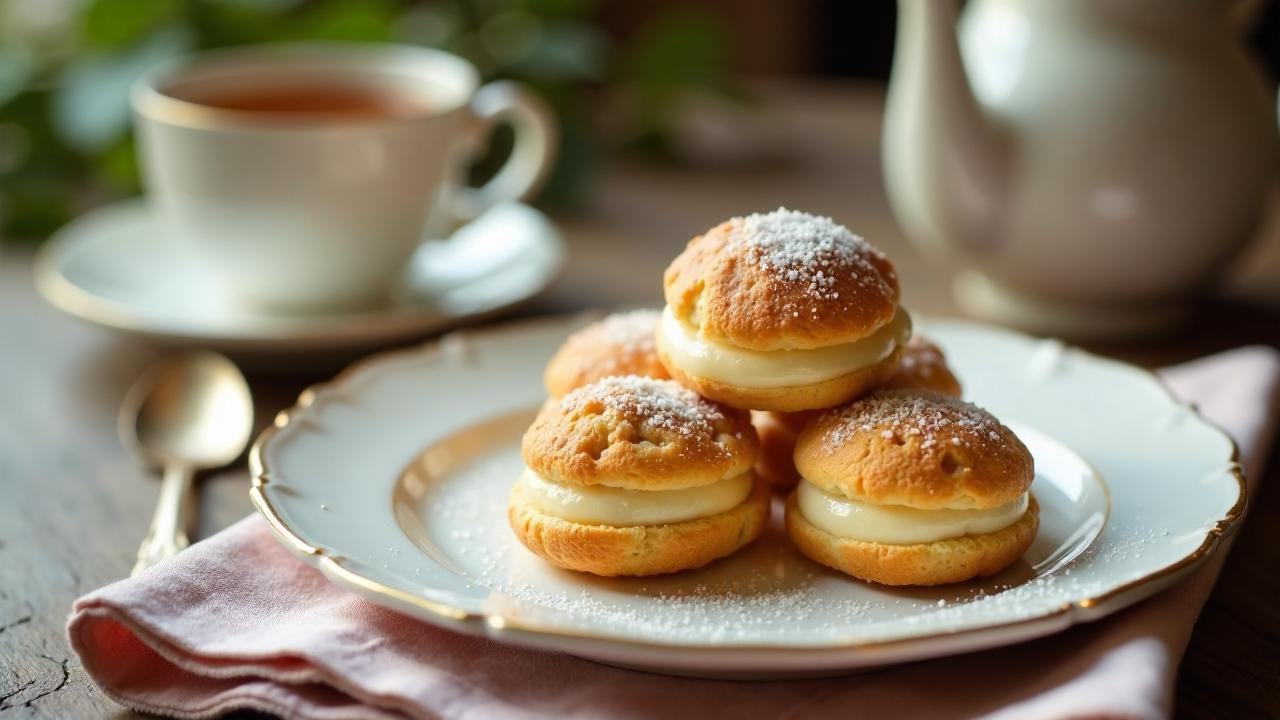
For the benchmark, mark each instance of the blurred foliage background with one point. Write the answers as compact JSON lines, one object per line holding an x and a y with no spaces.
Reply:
{"x":66,"y":67}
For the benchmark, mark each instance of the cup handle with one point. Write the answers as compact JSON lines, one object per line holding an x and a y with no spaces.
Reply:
{"x":532,"y":153}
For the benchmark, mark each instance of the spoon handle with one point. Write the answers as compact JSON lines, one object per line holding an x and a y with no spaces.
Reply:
{"x":168,"y":534}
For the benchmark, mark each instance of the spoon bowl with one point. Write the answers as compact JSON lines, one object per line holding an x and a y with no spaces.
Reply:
{"x":188,"y":412}
{"x":194,"y":408}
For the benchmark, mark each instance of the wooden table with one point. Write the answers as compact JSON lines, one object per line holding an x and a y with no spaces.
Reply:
{"x":74,"y":504}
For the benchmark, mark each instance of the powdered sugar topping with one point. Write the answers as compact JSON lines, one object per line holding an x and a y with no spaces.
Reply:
{"x":929,"y":416}
{"x":660,"y":404}
{"x":922,"y":358}
{"x":630,"y":335}
{"x":810,"y":252}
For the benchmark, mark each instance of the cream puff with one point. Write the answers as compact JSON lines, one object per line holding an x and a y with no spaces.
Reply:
{"x":637,"y":476}
{"x":923,"y":367}
{"x":620,"y":344}
{"x":777,"y":432}
{"x":782,"y":311}
{"x":912,"y":488}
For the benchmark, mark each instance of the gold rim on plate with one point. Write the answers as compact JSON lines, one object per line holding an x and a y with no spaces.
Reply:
{"x":260,"y":475}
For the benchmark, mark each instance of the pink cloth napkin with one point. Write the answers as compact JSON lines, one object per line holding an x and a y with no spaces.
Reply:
{"x":236,"y":622}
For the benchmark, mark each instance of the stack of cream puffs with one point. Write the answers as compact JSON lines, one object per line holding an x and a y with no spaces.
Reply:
{"x":783,"y":359}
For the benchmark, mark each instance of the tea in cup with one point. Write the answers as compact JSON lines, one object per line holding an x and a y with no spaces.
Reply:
{"x":305,"y":176}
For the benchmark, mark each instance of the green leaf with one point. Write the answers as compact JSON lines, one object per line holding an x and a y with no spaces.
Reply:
{"x":220,"y":23}
{"x":36,"y":148}
{"x":116,"y":24}
{"x":437,"y":24}
{"x":16,"y":71}
{"x":266,"y":7}
{"x":560,"y":8}
{"x":90,"y":104}
{"x":509,"y":37}
{"x":566,"y":53}
{"x":117,"y":168}
{"x":679,"y":49}
{"x":33,"y":208}
{"x":348,"y":20}
{"x":576,"y":164}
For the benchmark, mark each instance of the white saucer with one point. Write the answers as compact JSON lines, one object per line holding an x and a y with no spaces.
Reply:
{"x":111,"y":267}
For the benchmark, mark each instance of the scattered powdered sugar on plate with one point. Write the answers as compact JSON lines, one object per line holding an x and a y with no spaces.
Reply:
{"x":659,"y":403}
{"x":767,"y":593}
{"x":709,"y":614}
{"x":907,"y":413}
{"x":755,"y":600}
{"x":810,"y":252}
{"x":756,"y":610}
{"x":1047,"y":590}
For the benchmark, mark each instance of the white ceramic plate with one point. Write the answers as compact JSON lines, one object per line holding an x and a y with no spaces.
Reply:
{"x":114,"y":267}
{"x":392,"y":480}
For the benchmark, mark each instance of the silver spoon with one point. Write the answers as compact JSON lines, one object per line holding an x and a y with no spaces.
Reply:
{"x":188,"y":412}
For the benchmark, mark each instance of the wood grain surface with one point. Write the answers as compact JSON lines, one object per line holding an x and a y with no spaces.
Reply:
{"x":74,"y":504}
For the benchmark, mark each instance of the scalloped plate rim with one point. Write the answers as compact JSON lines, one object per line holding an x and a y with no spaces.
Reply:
{"x":733,"y":660}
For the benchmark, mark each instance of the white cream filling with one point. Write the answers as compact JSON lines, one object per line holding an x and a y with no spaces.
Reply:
{"x":601,"y":505}
{"x":899,"y":525}
{"x":776,"y":368}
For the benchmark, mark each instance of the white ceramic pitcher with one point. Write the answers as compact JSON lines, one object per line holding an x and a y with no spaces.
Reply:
{"x":1093,"y":163}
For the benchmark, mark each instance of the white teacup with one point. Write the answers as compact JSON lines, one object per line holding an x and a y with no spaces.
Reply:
{"x":304,"y":176}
